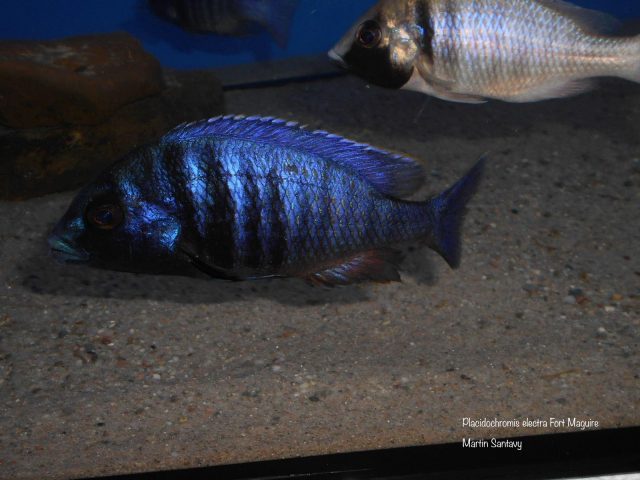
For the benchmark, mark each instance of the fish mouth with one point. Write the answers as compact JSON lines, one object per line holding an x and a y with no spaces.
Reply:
{"x":337,"y":59}
{"x":63,"y":251}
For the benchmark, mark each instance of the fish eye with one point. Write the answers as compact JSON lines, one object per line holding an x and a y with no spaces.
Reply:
{"x":105,"y":216}
{"x":369,"y":34}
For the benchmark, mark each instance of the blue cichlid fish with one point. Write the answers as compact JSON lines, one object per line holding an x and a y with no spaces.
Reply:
{"x":474,"y":50}
{"x":245,"y":198}
{"x":229,"y":17}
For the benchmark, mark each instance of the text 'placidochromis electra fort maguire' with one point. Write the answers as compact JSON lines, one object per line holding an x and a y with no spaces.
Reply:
{"x":473,"y":50}
{"x":244,"y":198}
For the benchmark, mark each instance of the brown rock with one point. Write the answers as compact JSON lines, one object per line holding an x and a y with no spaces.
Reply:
{"x":37,"y":161}
{"x":77,"y":80}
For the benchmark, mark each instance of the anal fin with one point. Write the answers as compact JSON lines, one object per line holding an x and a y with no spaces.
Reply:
{"x":379,"y":265}
{"x":560,"y":88}
{"x":459,"y":97}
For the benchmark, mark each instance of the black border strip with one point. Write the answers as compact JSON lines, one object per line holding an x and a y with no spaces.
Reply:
{"x":565,"y":455}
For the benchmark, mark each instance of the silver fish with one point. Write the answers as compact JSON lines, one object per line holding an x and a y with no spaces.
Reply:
{"x":473,"y":50}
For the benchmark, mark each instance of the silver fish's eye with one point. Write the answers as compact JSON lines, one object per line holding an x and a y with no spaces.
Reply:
{"x":369,"y":34}
{"x":105,"y":217}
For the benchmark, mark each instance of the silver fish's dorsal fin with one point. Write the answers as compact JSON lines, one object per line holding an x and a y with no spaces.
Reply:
{"x":391,"y":174}
{"x":591,"y":21}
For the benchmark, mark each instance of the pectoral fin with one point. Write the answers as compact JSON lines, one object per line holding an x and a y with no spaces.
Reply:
{"x":204,"y":267}
{"x":380,"y":265}
{"x":442,"y":89}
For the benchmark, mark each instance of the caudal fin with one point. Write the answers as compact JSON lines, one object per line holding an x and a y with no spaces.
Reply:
{"x":447,"y":213}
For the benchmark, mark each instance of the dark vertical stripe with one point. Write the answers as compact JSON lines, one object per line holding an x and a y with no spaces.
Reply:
{"x":423,"y":18}
{"x":302,"y":234}
{"x":173,"y":159}
{"x":223,"y":13}
{"x":328,"y":224}
{"x":211,"y":13}
{"x":252,"y":219}
{"x":277,"y":237}
{"x":224,"y":212}
{"x":452,"y":36}
{"x":182,"y":13}
{"x":209,"y":174}
{"x":451,"y":9}
{"x":159,"y":181}
{"x":197,"y":15}
{"x":227,"y":8}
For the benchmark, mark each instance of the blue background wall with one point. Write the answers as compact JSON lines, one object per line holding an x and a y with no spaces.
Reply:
{"x":317,"y":25}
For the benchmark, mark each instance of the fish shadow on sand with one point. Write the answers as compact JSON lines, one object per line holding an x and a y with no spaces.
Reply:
{"x":42,"y":275}
{"x":152,"y":30}
{"x":419,"y":265}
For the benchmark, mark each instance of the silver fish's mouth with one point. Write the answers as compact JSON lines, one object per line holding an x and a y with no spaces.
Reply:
{"x":63,"y":251}
{"x":337,"y":59}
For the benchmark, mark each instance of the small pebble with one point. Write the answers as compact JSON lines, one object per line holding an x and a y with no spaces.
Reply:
{"x":253,"y":393}
{"x":156,"y":376}
{"x":531,"y":287}
{"x":582,"y":300}
{"x":570,"y":300}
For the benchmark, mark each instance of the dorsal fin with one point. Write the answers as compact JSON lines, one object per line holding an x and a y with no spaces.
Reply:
{"x":391,"y":174}
{"x":591,"y":21}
